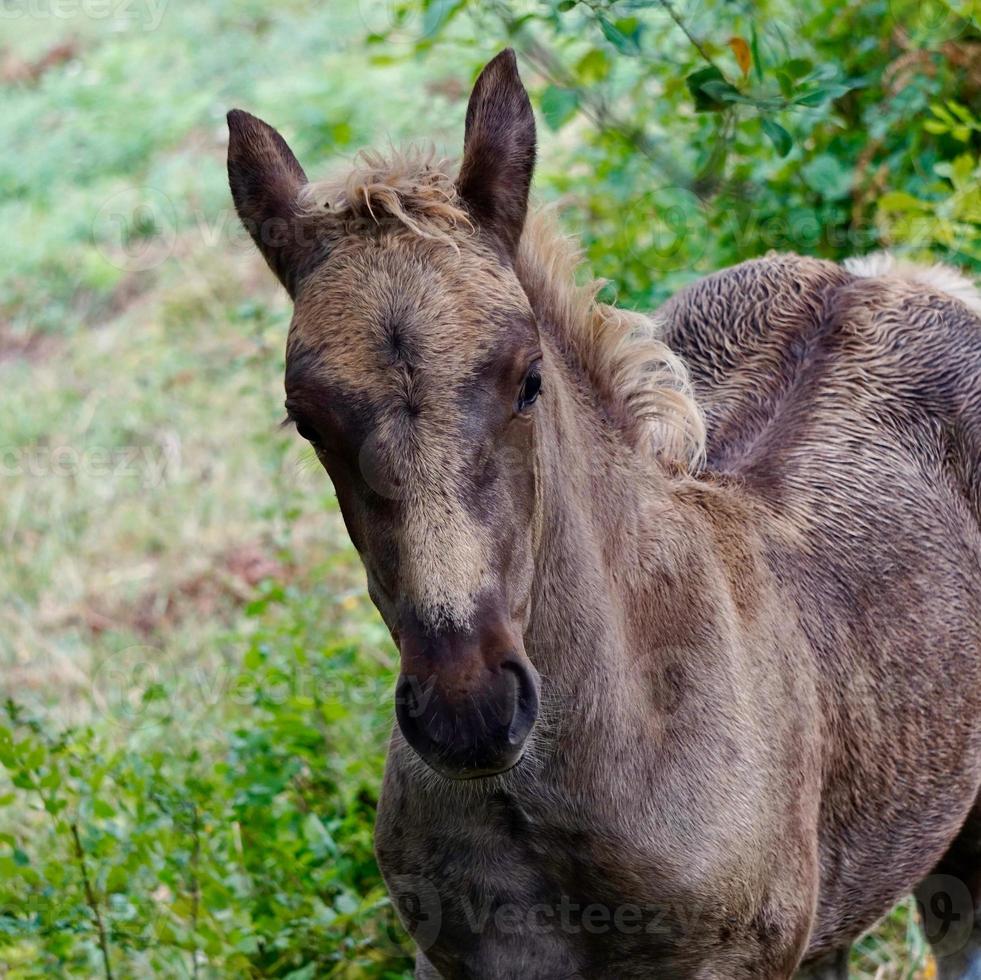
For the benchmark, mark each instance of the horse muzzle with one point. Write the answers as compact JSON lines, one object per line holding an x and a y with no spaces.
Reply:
{"x":466,"y":701}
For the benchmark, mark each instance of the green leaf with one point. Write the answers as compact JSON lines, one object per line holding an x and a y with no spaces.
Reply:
{"x":559,"y":105}
{"x":696,"y":82}
{"x":798,"y":67}
{"x":593,"y":66}
{"x":815,"y":97}
{"x":824,"y":73}
{"x":623,"y":34}
{"x":317,"y":835}
{"x":777,"y":135}
{"x":308,"y":972}
{"x":828,"y":176}
{"x":346,"y":904}
{"x":961,"y":111}
{"x":959,"y":171}
{"x":102,"y":809}
{"x":51,"y":779}
{"x":724,"y":92}
{"x":900,"y":201}
{"x":754,"y":48}
{"x":436,"y":15}
{"x":819,"y":96}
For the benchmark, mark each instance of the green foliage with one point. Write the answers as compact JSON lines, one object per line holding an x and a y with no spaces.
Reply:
{"x":239,"y":848}
{"x":703,"y":134}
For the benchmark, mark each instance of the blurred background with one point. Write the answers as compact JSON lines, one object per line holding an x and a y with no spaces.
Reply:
{"x":196,"y":691}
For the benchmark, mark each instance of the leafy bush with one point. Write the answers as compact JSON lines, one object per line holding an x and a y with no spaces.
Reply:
{"x":697,"y":135}
{"x":239,"y":847}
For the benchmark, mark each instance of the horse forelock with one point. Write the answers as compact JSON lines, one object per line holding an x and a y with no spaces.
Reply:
{"x":413,"y":187}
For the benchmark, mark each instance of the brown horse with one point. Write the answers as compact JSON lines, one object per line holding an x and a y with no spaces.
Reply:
{"x":679,"y":698}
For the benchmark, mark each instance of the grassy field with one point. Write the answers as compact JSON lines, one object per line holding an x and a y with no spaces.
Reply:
{"x":178,"y":586}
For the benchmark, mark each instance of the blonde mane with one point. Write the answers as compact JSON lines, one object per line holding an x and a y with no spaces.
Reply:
{"x":644,"y":386}
{"x":642,"y":382}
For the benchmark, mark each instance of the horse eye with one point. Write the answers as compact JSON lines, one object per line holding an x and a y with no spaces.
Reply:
{"x":529,"y":389}
{"x":306,"y":432}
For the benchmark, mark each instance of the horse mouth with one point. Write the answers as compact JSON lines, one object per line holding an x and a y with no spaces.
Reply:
{"x":472,"y":776}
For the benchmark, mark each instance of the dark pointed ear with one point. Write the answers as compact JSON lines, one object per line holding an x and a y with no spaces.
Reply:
{"x":265,"y":179}
{"x":498,"y":151}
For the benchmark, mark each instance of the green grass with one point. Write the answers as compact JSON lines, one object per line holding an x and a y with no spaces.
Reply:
{"x":180,"y":590}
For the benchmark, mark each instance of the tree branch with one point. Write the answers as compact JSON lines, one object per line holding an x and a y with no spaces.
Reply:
{"x":92,"y":903}
{"x":666,"y":4}
{"x":595,"y":108}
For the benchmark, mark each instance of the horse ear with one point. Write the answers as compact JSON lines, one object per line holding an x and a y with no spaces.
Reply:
{"x":265,"y":179}
{"x":499,"y":151}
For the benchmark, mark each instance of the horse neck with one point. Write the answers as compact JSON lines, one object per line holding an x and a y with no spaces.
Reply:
{"x":629,"y":607}
{"x":597,"y":502}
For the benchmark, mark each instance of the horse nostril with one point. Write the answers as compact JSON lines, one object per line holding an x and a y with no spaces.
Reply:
{"x":411,"y":699}
{"x":525,"y":711}
{"x":405,"y":697}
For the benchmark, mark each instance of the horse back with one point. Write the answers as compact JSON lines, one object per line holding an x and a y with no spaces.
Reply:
{"x":849,"y":407}
{"x":783,"y":347}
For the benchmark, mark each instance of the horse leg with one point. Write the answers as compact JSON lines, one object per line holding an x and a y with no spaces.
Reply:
{"x":950,"y":904}
{"x":834,"y":966}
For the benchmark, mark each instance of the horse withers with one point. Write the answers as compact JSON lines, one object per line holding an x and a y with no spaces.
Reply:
{"x":688,"y":605}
